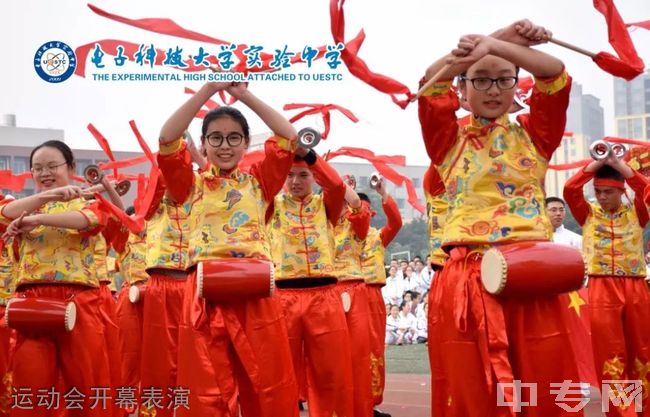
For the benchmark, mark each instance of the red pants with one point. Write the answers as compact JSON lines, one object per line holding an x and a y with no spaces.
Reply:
{"x":80,"y":356}
{"x":129,"y":319}
{"x":377,"y":347}
{"x":161,"y":318}
{"x":485,"y":340}
{"x":235,"y":352}
{"x":439,"y":387}
{"x":112,"y":334}
{"x":620,"y":314}
{"x":7,"y":342}
{"x":358,"y":319}
{"x":316,"y":326}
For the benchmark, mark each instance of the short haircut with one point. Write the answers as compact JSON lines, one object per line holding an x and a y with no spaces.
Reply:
{"x":550,"y":200}
{"x":608,"y":172}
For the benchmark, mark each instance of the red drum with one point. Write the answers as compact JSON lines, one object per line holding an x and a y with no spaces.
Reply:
{"x":136,"y":293}
{"x":531,"y":269}
{"x":233,"y":279}
{"x":40,"y":315}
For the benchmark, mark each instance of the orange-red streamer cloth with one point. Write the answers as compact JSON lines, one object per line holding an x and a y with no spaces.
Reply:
{"x":615,"y":66}
{"x":123,"y":163}
{"x":356,"y":65}
{"x":210,"y":104}
{"x":143,"y":144}
{"x":323,"y":109}
{"x":15,"y":183}
{"x":103,"y":143}
{"x":627,"y":141}
{"x":645,"y":24}
{"x":134,"y":223}
{"x":570,"y":165}
{"x":628,"y":64}
{"x":367,"y":155}
{"x":380,"y":162}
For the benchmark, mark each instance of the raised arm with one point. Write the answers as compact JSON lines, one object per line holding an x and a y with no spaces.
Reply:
{"x":573,"y":191}
{"x":334,"y":188}
{"x":275,"y":121}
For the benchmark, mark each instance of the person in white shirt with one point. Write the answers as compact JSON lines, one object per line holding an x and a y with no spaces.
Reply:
{"x":556,"y":210}
{"x":421,"y":328}
{"x":422,"y":277}
{"x":393,"y":333}
{"x":407,"y":325}
{"x":394,"y":288}
{"x":410,"y":282}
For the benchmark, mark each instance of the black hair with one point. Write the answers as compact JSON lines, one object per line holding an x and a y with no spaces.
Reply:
{"x":58,"y":145}
{"x":130,"y":210}
{"x":608,"y":172}
{"x":364,"y":197}
{"x":550,"y":200}
{"x":464,"y":73}
{"x":225,"y":111}
{"x":402,"y":305}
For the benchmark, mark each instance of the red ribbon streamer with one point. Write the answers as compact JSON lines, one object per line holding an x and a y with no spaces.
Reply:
{"x":627,"y":141}
{"x":103,"y":143}
{"x":379,"y":162}
{"x":15,"y":183}
{"x":123,"y":163}
{"x":644,"y":25}
{"x":367,"y":155}
{"x":323,"y":109}
{"x":628,"y":64}
{"x":356,"y":65}
{"x":570,"y":165}
{"x":210,"y":104}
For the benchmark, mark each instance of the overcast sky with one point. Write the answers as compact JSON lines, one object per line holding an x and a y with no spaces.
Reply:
{"x":402,"y":38}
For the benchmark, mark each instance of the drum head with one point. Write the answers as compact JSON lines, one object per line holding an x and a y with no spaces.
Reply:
{"x":494,"y":271}
{"x":346,"y":301}
{"x":134,"y":294}
{"x":70,"y":316}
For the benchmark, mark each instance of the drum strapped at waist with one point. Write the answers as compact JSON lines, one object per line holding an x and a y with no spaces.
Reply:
{"x":42,"y":315}
{"x":532,"y":269}
{"x":234,"y":279}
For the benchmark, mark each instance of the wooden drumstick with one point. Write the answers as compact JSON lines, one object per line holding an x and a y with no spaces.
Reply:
{"x":572,"y":47}
{"x":430,"y":82}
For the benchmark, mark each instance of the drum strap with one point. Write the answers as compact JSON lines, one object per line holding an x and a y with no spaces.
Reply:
{"x":487,"y":313}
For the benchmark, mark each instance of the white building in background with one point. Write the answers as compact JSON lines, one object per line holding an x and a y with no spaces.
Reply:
{"x":16,"y":144}
{"x":573,"y":148}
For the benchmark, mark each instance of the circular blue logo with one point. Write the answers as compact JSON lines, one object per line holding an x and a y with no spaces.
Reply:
{"x":55,"y":61}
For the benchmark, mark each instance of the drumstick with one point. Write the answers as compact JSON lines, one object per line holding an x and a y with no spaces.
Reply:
{"x":430,"y":82}
{"x":572,"y":47}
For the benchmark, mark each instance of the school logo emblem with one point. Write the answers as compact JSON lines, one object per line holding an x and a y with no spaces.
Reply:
{"x":55,"y":62}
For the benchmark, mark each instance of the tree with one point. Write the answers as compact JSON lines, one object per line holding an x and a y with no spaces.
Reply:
{"x":414,"y":237}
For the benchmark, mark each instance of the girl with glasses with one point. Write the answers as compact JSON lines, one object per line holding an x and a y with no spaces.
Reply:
{"x":240,"y":349}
